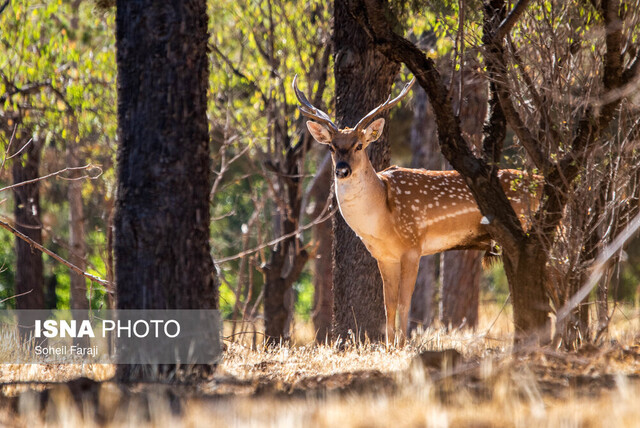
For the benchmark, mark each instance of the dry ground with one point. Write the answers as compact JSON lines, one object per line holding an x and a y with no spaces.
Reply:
{"x":482,"y":383}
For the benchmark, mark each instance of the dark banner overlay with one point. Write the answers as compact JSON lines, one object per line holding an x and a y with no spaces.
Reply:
{"x":110,"y":337}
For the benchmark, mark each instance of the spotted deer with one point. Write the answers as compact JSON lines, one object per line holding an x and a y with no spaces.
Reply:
{"x":401,"y":214}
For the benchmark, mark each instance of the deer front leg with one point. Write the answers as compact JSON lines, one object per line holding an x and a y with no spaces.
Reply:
{"x":408,"y":273}
{"x":390,"y":272}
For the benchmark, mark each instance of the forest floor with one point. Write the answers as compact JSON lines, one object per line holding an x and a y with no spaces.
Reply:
{"x":441,"y":379}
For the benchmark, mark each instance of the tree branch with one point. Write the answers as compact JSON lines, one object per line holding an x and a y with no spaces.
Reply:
{"x":496,"y":66}
{"x":50,"y":253}
{"x":507,"y":24}
{"x":482,"y":181}
{"x":632,"y":72}
{"x":53,"y":174}
{"x":4,"y":5}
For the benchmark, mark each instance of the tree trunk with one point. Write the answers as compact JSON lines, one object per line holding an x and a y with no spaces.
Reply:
{"x":322,"y":266}
{"x":425,"y":154}
{"x":526,"y":274}
{"x":461,"y":288}
{"x":162,"y":254}
{"x":29,"y":268}
{"x":29,"y":279}
{"x":287,"y":260}
{"x":77,"y":250}
{"x":364,"y":78}
{"x":283,"y":269}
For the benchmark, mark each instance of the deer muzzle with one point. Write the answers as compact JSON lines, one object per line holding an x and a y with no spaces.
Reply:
{"x":343,"y":170}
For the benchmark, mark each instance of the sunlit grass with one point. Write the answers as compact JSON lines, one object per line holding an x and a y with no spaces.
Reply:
{"x":364,"y":384}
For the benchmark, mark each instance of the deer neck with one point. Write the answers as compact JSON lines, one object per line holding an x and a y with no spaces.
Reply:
{"x":362,"y":200}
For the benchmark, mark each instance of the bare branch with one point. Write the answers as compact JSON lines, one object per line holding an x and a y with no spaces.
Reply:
{"x":238,"y":73}
{"x":321,"y":218}
{"x":599,"y":267}
{"x":50,"y":253}
{"x":53,"y":174}
{"x":17,"y":295}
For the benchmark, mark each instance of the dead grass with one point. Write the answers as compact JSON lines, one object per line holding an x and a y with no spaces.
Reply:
{"x":366,"y":385}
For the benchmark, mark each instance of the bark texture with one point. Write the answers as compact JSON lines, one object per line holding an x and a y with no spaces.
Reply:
{"x":162,"y":254}
{"x":364,"y":78}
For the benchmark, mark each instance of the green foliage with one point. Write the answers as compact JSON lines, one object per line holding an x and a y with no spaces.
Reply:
{"x":494,"y":283}
{"x":7,"y":261}
{"x":257,"y":48}
{"x":304,"y":296}
{"x":57,"y":84}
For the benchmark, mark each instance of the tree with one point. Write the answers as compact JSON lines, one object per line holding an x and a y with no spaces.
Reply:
{"x":162,"y":252}
{"x":257,"y":64}
{"x":559,"y":150}
{"x":56,"y":89}
{"x":29,"y":281}
{"x":364,"y":79}
{"x":323,"y":261}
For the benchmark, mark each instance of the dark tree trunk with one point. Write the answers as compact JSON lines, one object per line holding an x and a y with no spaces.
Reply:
{"x":425,"y":154}
{"x":29,"y":277}
{"x":461,"y":288}
{"x":162,"y":254}
{"x":322,"y":266}
{"x":364,"y":79}
{"x":284,"y":268}
{"x":526,"y":274}
{"x":287,"y":260}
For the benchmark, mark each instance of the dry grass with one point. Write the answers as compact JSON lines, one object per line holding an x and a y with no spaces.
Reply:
{"x":367,"y":385}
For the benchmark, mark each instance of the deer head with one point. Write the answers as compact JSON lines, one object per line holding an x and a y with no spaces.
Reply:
{"x":347,"y":145}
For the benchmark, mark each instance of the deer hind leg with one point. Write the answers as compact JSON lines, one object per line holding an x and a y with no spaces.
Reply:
{"x":408,"y":273}
{"x":390,"y":272}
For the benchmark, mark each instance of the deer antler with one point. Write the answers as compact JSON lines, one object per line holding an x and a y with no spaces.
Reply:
{"x":308,"y":110}
{"x":365,"y":121}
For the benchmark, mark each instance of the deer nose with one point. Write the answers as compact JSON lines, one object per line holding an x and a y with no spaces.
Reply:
{"x":343,"y":170}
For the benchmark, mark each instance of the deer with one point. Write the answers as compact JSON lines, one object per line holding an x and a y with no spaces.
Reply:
{"x":402,"y":214}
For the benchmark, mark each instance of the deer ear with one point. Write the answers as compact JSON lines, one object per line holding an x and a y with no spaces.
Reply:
{"x":374,"y":131}
{"x":319,"y":132}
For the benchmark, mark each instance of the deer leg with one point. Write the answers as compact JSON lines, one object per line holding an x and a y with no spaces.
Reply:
{"x":390,"y":272}
{"x":408,"y":272}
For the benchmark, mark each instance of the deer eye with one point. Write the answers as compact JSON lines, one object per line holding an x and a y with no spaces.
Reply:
{"x":333,"y":150}
{"x":359,"y":147}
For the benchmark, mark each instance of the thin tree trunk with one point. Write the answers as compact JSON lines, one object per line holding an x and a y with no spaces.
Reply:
{"x":461,"y":288}
{"x":364,"y":78}
{"x":162,"y":253}
{"x":78,"y":251}
{"x":322,"y":266}
{"x":29,"y":278}
{"x":526,"y":275}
